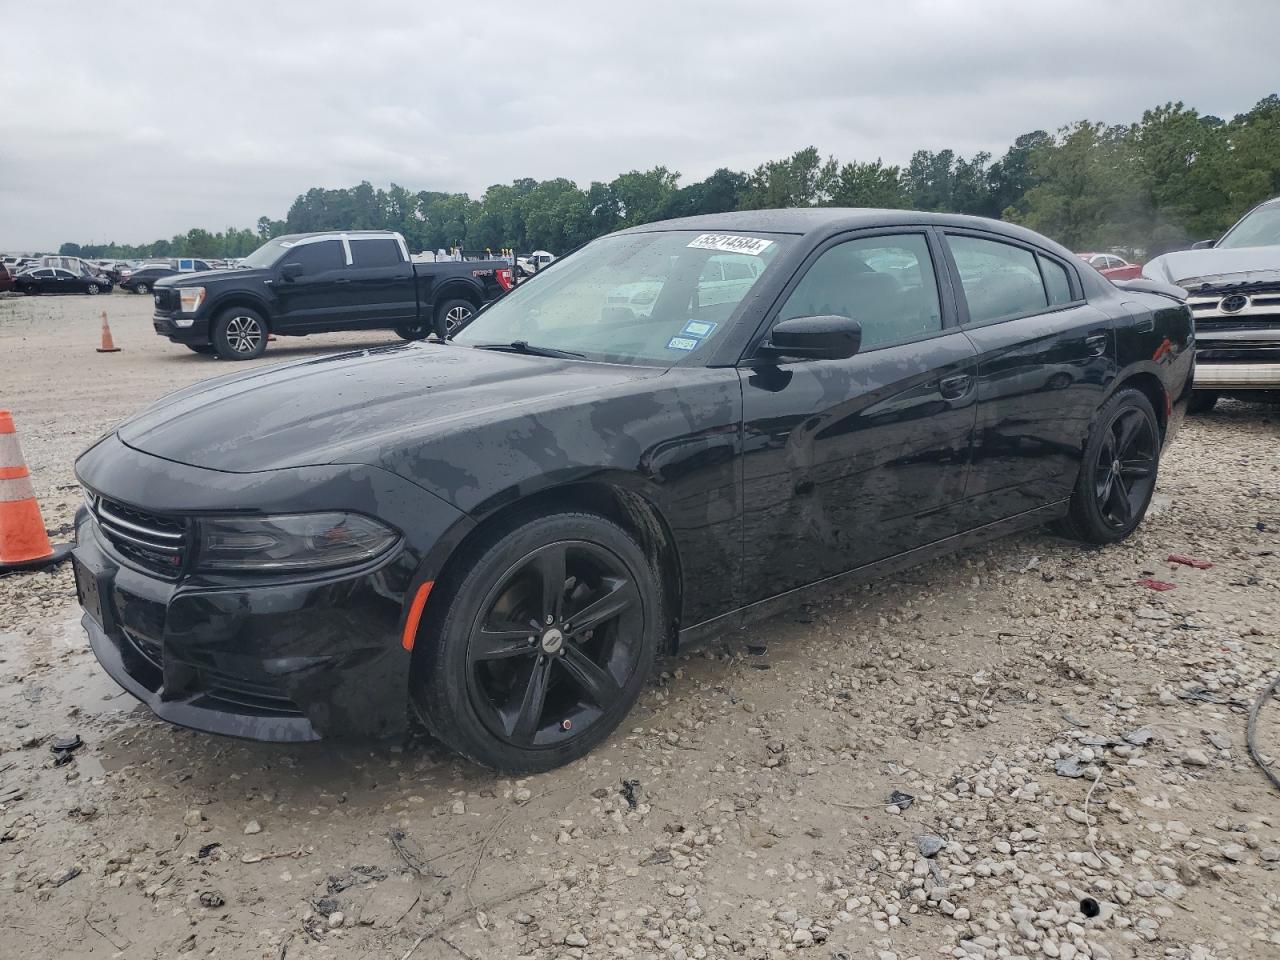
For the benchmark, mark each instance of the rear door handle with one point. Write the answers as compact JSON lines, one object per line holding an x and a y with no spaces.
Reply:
{"x":953,"y":388}
{"x":1097,"y":344}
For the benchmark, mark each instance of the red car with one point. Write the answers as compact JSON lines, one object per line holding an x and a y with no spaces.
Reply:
{"x":1111,"y":266}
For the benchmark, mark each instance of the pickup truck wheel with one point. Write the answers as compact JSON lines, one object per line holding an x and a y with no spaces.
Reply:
{"x":141,"y":288}
{"x":451,"y":315}
{"x":413,"y":331}
{"x":239,"y":334}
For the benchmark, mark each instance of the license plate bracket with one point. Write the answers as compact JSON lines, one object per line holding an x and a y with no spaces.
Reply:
{"x":90,"y":593}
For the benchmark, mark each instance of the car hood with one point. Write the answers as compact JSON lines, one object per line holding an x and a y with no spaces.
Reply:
{"x":1215,"y":267}
{"x":338,"y":409}
{"x":211,"y":276}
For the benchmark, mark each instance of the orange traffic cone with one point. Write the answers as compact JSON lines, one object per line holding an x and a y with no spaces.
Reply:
{"x":108,"y":345}
{"x":23,"y":542}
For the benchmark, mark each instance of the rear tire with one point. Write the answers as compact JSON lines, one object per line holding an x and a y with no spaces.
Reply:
{"x":525,"y":704}
{"x":91,"y":289}
{"x":451,"y":316}
{"x":414,"y":331}
{"x":1118,"y":473}
{"x":141,"y":288}
{"x":1202,"y":401}
{"x":239,"y":334}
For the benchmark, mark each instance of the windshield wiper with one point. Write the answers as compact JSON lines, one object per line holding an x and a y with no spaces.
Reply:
{"x":525,"y":347}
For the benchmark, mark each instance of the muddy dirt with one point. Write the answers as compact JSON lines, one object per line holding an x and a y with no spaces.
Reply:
{"x":1072,"y":744}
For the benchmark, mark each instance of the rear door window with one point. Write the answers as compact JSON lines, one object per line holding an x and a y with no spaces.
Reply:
{"x":1000,"y":280}
{"x":366,"y":254}
{"x":1056,"y":281}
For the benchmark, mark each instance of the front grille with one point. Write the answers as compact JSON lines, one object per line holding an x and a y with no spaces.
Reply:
{"x":153,"y":542}
{"x":165,"y":299}
{"x":150,"y":650}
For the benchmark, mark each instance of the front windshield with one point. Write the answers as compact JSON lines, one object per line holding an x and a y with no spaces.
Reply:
{"x":265,"y":255}
{"x":1259,"y":229}
{"x":646,"y":298}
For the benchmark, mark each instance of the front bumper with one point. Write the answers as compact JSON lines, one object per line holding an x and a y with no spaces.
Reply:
{"x":269,"y":656}
{"x":1237,"y":376}
{"x":163,"y":322}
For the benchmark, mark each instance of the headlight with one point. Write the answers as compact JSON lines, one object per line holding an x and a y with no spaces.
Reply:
{"x":190,"y":298}
{"x":300,"y":541}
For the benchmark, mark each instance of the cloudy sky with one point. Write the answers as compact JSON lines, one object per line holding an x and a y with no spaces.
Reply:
{"x":136,"y":121}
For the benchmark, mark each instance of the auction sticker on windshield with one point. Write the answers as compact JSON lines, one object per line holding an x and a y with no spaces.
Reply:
{"x":753,"y":246}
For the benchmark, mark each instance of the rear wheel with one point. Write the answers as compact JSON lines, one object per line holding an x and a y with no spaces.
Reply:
{"x":239,"y":334}
{"x":414,"y":331}
{"x":1202,"y":401}
{"x":542,"y":642}
{"x":141,"y":288}
{"x":91,"y":289}
{"x":451,"y":315}
{"x":1118,"y":475}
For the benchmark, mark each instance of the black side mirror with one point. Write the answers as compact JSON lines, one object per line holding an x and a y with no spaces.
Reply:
{"x":291,"y":271}
{"x":814,"y":338}
{"x":1204,"y":244}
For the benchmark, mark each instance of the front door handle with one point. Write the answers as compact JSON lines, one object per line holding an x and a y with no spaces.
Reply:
{"x":953,"y":388}
{"x":1097,"y":344}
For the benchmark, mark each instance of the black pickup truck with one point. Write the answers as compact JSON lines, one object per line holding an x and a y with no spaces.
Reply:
{"x":320,"y":282}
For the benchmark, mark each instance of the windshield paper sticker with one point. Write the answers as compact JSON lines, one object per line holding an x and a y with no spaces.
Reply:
{"x":698,"y":328}
{"x":682,"y":343}
{"x":752,"y":246}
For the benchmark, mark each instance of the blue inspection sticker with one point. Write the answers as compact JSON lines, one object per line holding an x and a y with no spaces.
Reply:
{"x":682,"y":343}
{"x":699,"y":328}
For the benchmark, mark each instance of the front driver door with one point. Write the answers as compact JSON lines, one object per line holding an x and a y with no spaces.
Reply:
{"x":851,"y":461}
{"x":321,"y":295}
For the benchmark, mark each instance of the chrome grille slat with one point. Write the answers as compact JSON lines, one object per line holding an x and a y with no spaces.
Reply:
{"x":151,"y":542}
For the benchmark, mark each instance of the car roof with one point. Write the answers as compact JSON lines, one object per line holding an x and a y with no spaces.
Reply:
{"x":826,"y":220}
{"x":296,"y":237}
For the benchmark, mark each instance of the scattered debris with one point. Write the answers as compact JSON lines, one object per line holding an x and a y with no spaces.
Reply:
{"x":207,"y":849}
{"x":1140,"y":737}
{"x":902,"y":801}
{"x":1251,"y":731}
{"x":70,"y":874}
{"x":1183,"y":559}
{"x":1068,"y":768}
{"x":211,"y":899}
{"x":1090,"y":907}
{"x":1153,"y":584}
{"x":930,"y":846}
{"x":756,"y":649}
{"x":252,"y":827}
{"x":631,"y":792}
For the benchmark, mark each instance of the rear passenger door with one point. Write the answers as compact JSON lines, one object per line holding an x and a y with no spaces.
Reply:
{"x":1045,"y":357}
{"x":382,"y":282}
{"x":321,"y":295}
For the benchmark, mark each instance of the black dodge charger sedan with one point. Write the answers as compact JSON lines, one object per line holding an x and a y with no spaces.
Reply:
{"x":677,"y":428}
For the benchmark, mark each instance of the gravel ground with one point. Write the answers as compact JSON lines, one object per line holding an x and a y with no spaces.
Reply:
{"x":1073,"y":743}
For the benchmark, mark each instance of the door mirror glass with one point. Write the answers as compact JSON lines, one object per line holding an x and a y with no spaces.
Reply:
{"x":1204,"y":244}
{"x":291,"y":271}
{"x":814,"y":338}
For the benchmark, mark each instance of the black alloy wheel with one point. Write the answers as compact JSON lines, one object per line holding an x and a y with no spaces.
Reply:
{"x":1125,"y":469}
{"x":1118,"y":475}
{"x":542,"y":646}
{"x":91,"y":289}
{"x":141,"y":288}
{"x":559,"y":638}
{"x":414,"y":331}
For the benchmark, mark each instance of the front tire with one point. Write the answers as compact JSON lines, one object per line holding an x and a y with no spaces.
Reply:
{"x":239,"y":334}
{"x":91,"y":289}
{"x":1118,"y":473}
{"x":1202,"y":401}
{"x":141,"y":288}
{"x":539,"y":643}
{"x":451,"y":316}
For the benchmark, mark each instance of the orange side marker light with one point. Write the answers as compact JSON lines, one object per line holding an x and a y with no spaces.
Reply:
{"x":415,"y":614}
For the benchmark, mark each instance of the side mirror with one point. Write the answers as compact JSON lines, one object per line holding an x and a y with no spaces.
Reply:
{"x":814,"y":338}
{"x":291,"y":271}
{"x":1204,"y":244}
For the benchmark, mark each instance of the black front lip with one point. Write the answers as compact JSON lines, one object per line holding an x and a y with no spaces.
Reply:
{"x":198,"y":332}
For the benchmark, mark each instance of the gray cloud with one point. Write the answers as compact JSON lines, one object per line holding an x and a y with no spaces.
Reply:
{"x":135,"y":126}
